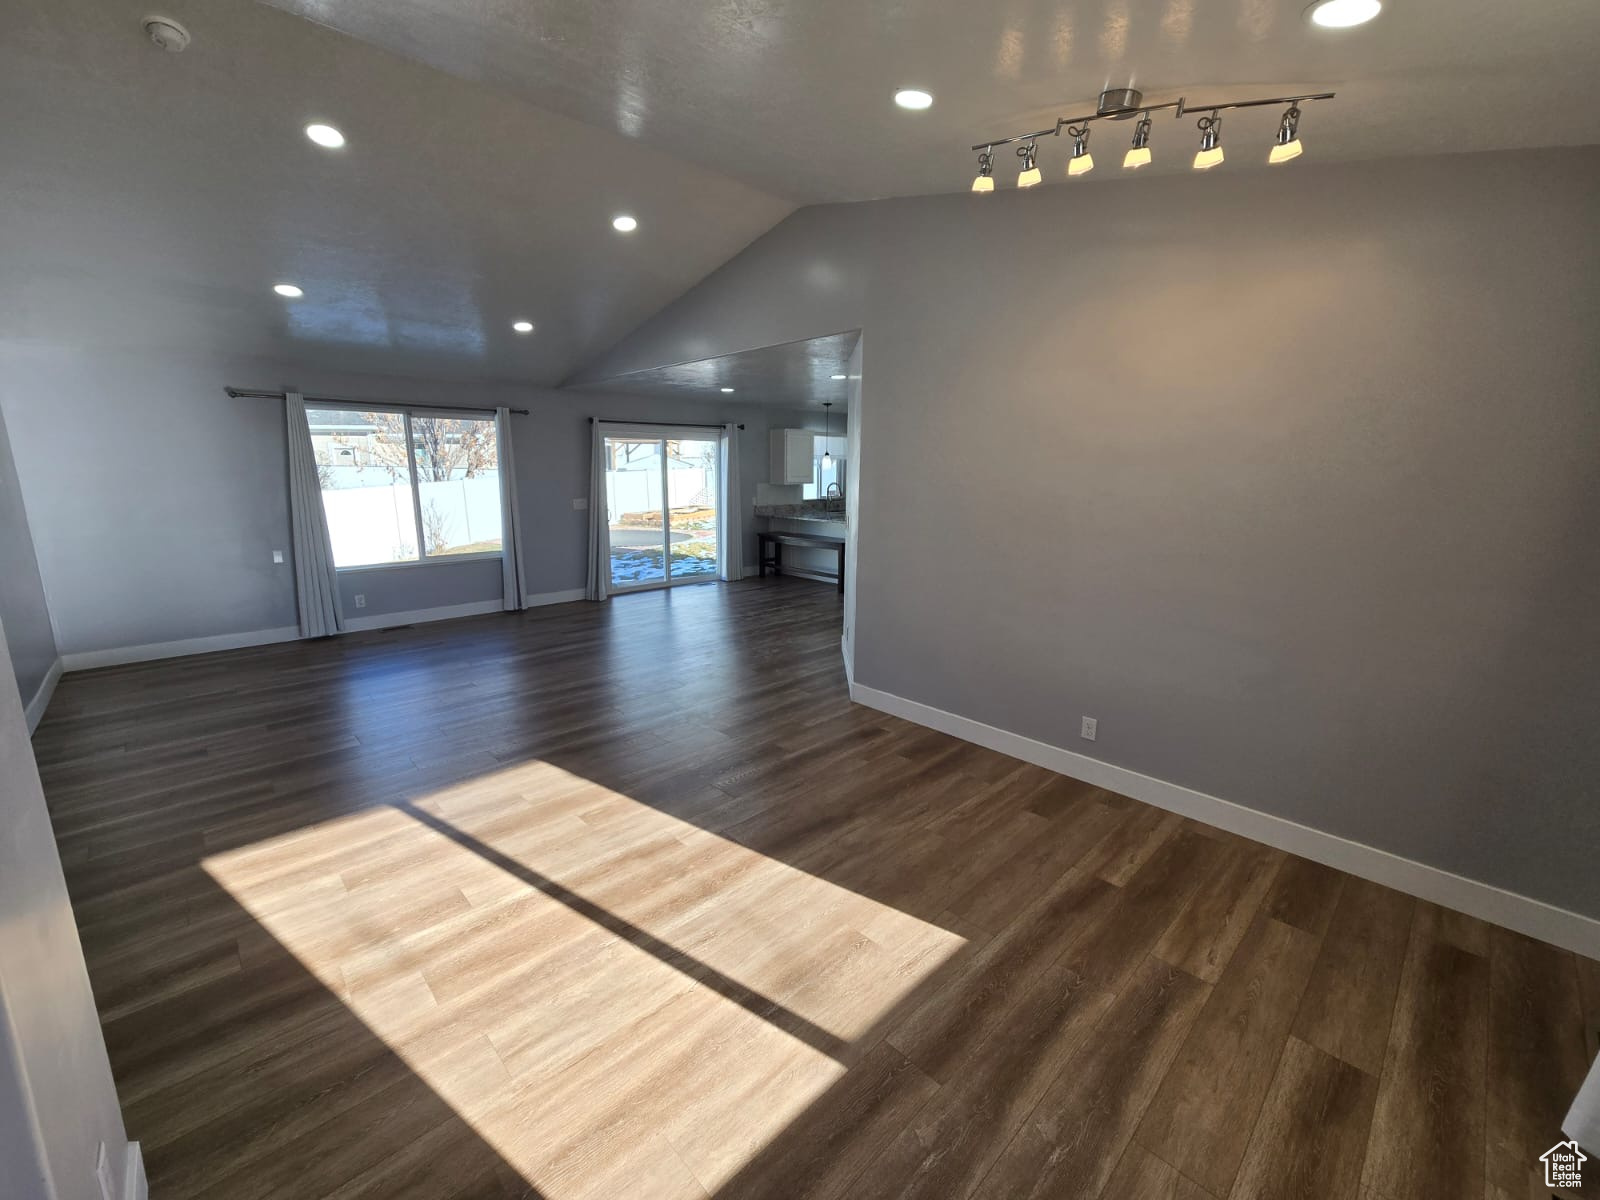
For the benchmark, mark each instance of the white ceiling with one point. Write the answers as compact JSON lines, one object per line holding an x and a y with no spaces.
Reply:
{"x":151,"y":200}
{"x":793,"y":375}
{"x":793,"y":96}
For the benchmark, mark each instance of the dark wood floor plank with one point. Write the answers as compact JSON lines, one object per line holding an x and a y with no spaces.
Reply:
{"x":1304,"y":894}
{"x":1200,"y":1120}
{"x":1080,"y":1128}
{"x":1536,"y":1052}
{"x":1118,"y":858}
{"x":1311,"y":1138}
{"x":1142,"y":1176}
{"x":505,"y":907}
{"x":1349,"y":1000}
{"x":1208,"y":931}
{"x":1348,"y":1003}
{"x":1589,"y":990}
{"x":1428,"y":1130}
{"x":1004,"y":1070}
{"x":821,"y":1155}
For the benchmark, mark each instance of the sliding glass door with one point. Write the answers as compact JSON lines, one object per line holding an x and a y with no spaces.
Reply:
{"x":662,"y":509}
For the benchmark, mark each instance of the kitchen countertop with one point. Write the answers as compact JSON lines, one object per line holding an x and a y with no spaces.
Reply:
{"x":810,"y":510}
{"x":836,"y":519}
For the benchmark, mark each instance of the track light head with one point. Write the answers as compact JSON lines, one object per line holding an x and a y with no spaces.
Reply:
{"x":985,"y":181}
{"x":1210,"y":153}
{"x":1138,"y":154}
{"x":1082,"y":161}
{"x":1286,"y":147}
{"x":1030,"y":176}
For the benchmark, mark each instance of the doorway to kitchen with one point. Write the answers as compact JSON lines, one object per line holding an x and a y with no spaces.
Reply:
{"x":662,"y":498}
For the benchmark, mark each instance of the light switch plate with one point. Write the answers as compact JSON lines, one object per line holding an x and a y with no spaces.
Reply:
{"x":581,"y":503}
{"x":277,"y":556}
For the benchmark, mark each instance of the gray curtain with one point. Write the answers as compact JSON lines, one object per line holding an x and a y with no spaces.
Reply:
{"x":513,"y":585}
{"x":731,"y":543}
{"x":316,"y":583}
{"x":599,"y":520}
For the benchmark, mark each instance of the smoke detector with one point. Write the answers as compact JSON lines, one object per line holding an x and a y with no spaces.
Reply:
{"x":167,"y":34}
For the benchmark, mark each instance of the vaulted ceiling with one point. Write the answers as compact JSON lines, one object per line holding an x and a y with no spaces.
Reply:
{"x":151,"y":200}
{"x":793,"y":96}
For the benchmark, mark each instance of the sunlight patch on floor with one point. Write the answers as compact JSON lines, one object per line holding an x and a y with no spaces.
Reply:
{"x":618,"y":1001}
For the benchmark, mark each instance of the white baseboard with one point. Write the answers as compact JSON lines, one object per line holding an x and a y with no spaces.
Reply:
{"x":420,"y":616}
{"x":1570,"y":930}
{"x":134,"y":1184}
{"x":34,"y":710}
{"x":540,"y":599}
{"x":87,"y":660}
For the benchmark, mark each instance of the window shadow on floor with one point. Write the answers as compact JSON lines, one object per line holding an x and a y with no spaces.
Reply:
{"x":723,"y":708}
{"x":243,"y":1075}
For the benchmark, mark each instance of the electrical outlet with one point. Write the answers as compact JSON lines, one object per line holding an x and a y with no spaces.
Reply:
{"x":581,"y":503}
{"x":277,"y":556}
{"x":361,"y":599}
{"x":1088,"y":730}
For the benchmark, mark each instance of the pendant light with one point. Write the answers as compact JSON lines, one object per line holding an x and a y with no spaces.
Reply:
{"x":1031,"y":176}
{"x":1286,"y":146}
{"x":827,"y":437}
{"x":1210,"y":152}
{"x":1138,"y":154}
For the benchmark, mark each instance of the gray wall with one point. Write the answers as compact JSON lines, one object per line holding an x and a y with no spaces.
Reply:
{"x":156,"y":502}
{"x":57,"y":1101}
{"x":22,"y":603}
{"x":1289,"y":477}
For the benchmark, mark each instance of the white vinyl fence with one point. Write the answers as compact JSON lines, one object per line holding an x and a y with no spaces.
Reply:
{"x":375,"y":524}
{"x":640,"y":490}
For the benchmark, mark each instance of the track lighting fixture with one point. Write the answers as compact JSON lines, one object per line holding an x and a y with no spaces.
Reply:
{"x":1082,"y":161}
{"x":1031,"y":175}
{"x":1287,"y":145}
{"x":1210,"y":153}
{"x":985,"y":180}
{"x":1138,"y":154}
{"x":1120,"y":104}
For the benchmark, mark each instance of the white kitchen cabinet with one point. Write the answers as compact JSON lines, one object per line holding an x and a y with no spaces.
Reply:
{"x":793,"y":451}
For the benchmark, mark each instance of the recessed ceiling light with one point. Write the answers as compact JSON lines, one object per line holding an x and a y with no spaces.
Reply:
{"x":288,"y":289}
{"x":522,"y":326}
{"x":624,"y":224}
{"x":1341,"y":14}
{"x":325,"y":136}
{"x":841,"y":377}
{"x":727,"y":390}
{"x":913,"y":98}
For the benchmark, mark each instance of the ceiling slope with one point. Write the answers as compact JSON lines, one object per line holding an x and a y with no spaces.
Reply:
{"x":151,"y":200}
{"x":793,"y":96}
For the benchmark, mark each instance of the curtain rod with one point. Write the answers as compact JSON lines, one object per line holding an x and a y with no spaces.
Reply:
{"x":664,"y":424}
{"x":256,"y":394}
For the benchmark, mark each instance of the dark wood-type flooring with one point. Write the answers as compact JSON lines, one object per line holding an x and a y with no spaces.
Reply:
{"x":630,"y":900}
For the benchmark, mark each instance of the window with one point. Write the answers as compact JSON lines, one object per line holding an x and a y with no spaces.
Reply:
{"x":822,"y":476}
{"x":405,"y":486}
